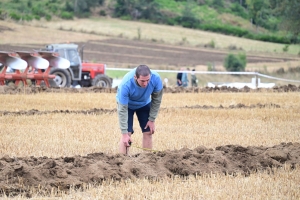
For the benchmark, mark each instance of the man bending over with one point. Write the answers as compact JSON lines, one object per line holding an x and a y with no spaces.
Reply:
{"x":139,"y":92}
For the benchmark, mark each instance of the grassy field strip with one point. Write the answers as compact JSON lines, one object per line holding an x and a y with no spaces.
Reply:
{"x":271,"y":67}
{"x":167,"y":34}
{"x":55,"y":135}
{"x":213,"y":128}
{"x":86,"y":101}
{"x":24,"y":34}
{"x":227,"y":99}
{"x":55,"y":101}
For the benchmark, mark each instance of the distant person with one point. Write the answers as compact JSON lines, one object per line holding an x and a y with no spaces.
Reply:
{"x":139,"y":92}
{"x":179,"y":77}
{"x":184,"y":78}
{"x":194,"y":79}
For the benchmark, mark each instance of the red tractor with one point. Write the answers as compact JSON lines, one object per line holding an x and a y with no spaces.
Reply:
{"x":79,"y":73}
{"x":59,"y":65}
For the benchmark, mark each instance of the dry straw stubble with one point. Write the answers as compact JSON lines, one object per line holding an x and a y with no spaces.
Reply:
{"x":65,"y":134}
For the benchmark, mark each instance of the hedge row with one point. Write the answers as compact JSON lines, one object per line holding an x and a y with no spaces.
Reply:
{"x":240,"y":32}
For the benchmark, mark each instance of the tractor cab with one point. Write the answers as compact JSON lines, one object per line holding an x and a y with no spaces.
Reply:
{"x":78,"y":74}
{"x":69,"y":52}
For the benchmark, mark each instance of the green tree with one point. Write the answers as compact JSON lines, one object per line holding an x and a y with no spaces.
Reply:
{"x":289,"y":10}
{"x":137,"y":9}
{"x":258,"y":9}
{"x":82,"y":6}
{"x":235,"y":63}
{"x":239,"y":10}
{"x":218,"y":4}
{"x":148,"y":9}
{"x":240,"y":2}
{"x":188,"y":18}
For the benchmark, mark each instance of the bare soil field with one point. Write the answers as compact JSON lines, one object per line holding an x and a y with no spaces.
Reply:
{"x":132,"y":53}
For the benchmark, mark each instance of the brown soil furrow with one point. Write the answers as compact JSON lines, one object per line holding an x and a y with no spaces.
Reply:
{"x":120,"y":54}
{"x":20,"y":175}
{"x":12,"y":89}
{"x":152,"y":48}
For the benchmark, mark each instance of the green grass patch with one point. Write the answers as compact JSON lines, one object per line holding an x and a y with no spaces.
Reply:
{"x":173,"y":6}
{"x":206,"y":13}
{"x":115,"y":74}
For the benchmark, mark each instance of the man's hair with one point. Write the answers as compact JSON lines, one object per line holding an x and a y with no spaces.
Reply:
{"x":142,"y":70}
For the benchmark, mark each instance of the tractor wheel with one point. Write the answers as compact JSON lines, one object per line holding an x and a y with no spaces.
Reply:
{"x":102,"y":80}
{"x":62,"y":78}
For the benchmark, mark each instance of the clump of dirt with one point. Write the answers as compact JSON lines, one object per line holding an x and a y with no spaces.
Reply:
{"x":18,"y":175}
{"x":12,"y":89}
{"x":287,"y":88}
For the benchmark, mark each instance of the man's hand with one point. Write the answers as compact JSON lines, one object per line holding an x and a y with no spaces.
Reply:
{"x":126,"y":139}
{"x":151,"y":125}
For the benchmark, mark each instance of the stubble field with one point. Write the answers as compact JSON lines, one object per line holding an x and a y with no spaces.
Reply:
{"x":208,"y":145}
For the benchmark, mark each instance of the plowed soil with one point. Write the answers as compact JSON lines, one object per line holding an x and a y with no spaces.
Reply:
{"x":12,"y":89}
{"x":121,"y":51}
{"x":21,"y":175}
